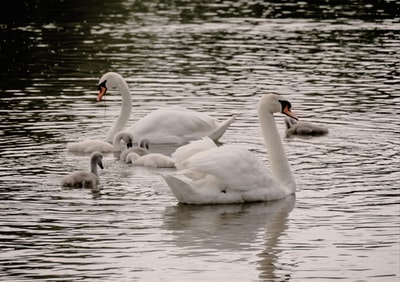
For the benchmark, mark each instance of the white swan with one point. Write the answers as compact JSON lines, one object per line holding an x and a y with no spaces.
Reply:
{"x":184,"y":152}
{"x":173,"y":125}
{"x":151,"y":160}
{"x":303,"y":128}
{"x":231,"y":174}
{"x":88,"y":146}
{"x":85,"y":179}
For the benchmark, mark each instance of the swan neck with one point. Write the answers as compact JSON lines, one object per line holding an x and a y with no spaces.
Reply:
{"x":93,"y":166}
{"x":126,"y":109}
{"x":277,"y":158}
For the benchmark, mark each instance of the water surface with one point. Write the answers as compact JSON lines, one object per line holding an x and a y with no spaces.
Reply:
{"x":337,"y":64}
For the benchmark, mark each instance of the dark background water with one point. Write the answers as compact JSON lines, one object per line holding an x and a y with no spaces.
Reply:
{"x":37,"y":29}
{"x":337,"y":62}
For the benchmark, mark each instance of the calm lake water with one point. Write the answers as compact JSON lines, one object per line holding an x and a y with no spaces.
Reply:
{"x":337,"y":64}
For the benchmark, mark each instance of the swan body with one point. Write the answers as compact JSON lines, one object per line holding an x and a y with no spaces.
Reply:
{"x":174,"y":125}
{"x":88,"y":146}
{"x":85,"y":179}
{"x":151,"y":160}
{"x":231,"y":174}
{"x":303,"y":128}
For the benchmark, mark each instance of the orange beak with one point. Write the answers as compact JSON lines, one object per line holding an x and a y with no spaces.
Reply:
{"x":102,"y":91}
{"x":289,"y":113}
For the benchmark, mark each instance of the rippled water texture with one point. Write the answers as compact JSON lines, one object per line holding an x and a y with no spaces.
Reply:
{"x":337,"y":64}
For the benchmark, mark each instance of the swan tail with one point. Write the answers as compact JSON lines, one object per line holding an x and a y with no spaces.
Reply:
{"x":181,"y":188}
{"x":220,"y":130}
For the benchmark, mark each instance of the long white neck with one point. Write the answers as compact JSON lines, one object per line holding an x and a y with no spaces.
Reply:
{"x":125,"y":113}
{"x":277,"y":158}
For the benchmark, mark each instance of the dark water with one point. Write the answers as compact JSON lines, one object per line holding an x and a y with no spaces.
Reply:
{"x":337,"y":63}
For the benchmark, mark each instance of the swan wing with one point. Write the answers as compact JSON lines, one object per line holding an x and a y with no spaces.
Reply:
{"x":194,"y":147}
{"x":203,"y":191}
{"x":173,"y":125}
{"x":234,"y":166}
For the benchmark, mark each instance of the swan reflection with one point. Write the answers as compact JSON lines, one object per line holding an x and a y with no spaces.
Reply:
{"x":248,"y":227}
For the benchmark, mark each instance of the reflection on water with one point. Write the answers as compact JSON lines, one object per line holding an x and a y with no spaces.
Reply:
{"x":336,"y":62}
{"x":232,"y":228}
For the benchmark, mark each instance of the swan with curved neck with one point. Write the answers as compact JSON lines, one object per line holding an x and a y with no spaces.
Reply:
{"x":112,"y":80}
{"x":85,"y":179}
{"x":231,"y":174}
{"x":173,"y":125}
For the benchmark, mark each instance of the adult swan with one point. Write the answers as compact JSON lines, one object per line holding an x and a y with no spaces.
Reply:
{"x":173,"y":125}
{"x":231,"y":174}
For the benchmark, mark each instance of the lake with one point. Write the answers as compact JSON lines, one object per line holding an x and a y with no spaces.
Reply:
{"x":338,"y":64}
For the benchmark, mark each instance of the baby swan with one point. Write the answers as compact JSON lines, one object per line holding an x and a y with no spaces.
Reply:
{"x":150,"y":160}
{"x":141,"y":150}
{"x":142,"y":156}
{"x":85,"y":179}
{"x":303,"y":128}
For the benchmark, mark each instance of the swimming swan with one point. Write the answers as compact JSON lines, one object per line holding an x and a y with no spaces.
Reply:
{"x":303,"y":128}
{"x":85,"y":179}
{"x":142,"y":156}
{"x":151,"y":160}
{"x":231,"y":174}
{"x":173,"y":125}
{"x":88,"y":146}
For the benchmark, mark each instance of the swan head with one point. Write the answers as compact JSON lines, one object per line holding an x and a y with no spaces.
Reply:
{"x":97,"y":158}
{"x":109,"y":80}
{"x":275,"y":103}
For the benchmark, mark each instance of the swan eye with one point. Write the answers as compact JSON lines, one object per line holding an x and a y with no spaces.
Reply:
{"x":285,"y":105}
{"x":103,"y":84}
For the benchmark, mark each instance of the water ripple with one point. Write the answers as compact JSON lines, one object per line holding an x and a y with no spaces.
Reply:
{"x":337,"y":71}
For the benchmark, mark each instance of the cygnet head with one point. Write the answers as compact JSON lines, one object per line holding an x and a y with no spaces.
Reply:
{"x":124,"y":136}
{"x":96,"y":159}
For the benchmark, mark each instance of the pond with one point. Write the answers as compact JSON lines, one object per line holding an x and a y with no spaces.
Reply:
{"x":338,"y":65}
